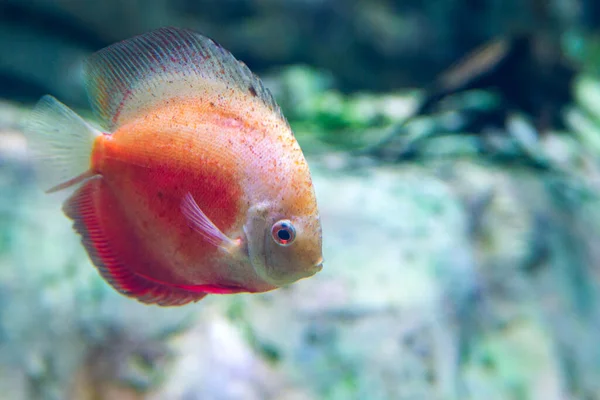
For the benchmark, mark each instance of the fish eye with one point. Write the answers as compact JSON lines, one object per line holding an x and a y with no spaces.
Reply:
{"x":283,"y":232}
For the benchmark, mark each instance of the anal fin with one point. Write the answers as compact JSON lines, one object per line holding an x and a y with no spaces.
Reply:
{"x":82,"y":208}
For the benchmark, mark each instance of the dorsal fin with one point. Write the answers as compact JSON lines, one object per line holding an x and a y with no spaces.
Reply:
{"x":129,"y":77}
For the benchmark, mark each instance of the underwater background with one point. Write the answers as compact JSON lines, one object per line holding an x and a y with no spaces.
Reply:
{"x":455,"y":150}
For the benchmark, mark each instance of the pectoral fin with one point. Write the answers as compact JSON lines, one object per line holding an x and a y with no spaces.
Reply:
{"x":204,"y":226}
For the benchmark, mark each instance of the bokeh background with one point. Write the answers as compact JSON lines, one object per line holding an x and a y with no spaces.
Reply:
{"x":455,"y":149}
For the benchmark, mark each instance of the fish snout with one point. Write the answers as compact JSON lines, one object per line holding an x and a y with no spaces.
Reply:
{"x":318,"y":267}
{"x":288,"y":276}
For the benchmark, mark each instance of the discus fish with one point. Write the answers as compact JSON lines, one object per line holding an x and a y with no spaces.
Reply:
{"x":195,"y":184}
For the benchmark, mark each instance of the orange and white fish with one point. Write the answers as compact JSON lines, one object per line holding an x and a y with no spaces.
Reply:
{"x":199,"y":187}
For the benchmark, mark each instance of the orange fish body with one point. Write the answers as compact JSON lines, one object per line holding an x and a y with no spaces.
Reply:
{"x":200,"y":188}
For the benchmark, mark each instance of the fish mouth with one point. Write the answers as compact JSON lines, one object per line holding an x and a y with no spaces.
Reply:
{"x":318,"y":266}
{"x":306,"y":273}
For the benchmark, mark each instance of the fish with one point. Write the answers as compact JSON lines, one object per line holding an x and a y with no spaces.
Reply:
{"x":193,"y":182}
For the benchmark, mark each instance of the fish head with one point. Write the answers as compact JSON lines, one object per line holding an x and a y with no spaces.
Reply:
{"x":284,"y":247}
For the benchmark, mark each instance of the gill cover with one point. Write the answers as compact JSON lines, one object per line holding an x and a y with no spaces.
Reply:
{"x":281,"y":264}
{"x":255,"y":228}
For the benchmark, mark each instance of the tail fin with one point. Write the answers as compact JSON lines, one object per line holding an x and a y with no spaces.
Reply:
{"x":60,"y":142}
